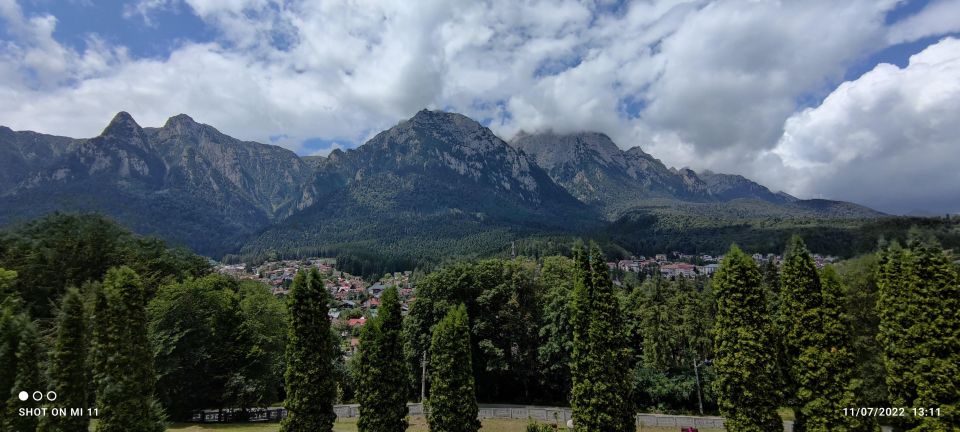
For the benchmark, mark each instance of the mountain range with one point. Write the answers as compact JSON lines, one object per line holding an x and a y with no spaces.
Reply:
{"x":438,"y":184}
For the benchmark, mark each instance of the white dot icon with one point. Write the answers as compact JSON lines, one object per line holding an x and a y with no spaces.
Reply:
{"x":24,"y":396}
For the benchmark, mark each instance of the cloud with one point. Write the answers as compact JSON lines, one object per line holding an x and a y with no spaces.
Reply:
{"x":888,"y":138}
{"x":731,"y":75}
{"x":939,"y":17}
{"x":699,"y":83}
{"x":35,"y":59}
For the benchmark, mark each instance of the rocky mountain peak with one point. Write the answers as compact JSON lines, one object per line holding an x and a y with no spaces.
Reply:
{"x":637,"y":151}
{"x":180,"y":121}
{"x":691,"y":180}
{"x":443,"y":123}
{"x":122,"y":126}
{"x":550,"y":149}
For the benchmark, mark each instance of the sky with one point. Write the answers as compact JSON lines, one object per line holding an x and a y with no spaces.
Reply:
{"x":856,"y":100}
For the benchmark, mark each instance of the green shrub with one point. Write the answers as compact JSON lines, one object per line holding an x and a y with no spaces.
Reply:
{"x":538,"y":427}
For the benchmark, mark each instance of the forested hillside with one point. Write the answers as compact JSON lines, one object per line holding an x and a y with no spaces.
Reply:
{"x":434,"y":187}
{"x":842,"y":330}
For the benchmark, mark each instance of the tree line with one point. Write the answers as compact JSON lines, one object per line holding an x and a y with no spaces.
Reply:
{"x":145,"y":341}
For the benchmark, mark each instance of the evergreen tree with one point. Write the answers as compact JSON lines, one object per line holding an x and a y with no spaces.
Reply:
{"x":27,"y":379}
{"x":896,"y":317}
{"x":600,"y":361}
{"x":68,"y":365}
{"x":8,"y":292}
{"x":382,"y":385}
{"x":123,"y":366}
{"x":11,"y":327}
{"x":556,"y":276}
{"x":801,"y":329}
{"x":660,"y":325}
{"x":835,"y":362}
{"x":311,"y":350}
{"x":858,"y":277}
{"x":920,"y":332}
{"x":744,"y":355}
{"x":770,"y":277}
{"x":453,"y":401}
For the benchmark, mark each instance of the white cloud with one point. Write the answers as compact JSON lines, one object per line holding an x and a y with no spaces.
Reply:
{"x":888,"y":138}
{"x":731,"y":75}
{"x":35,"y":59}
{"x":714,"y":80}
{"x":939,"y":17}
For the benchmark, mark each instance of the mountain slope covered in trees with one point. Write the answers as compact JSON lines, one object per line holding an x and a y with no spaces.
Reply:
{"x":185,"y":182}
{"x":437,"y":185}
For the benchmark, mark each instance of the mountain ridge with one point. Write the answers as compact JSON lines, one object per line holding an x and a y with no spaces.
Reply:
{"x":157,"y":181}
{"x":436,"y":178}
{"x":596,"y":170}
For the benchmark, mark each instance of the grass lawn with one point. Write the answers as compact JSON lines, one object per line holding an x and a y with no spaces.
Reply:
{"x":417,"y":424}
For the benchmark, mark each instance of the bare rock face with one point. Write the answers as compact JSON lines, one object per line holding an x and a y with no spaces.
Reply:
{"x":595,"y":170}
{"x":185,"y":181}
{"x":446,"y":156}
{"x":438,"y":182}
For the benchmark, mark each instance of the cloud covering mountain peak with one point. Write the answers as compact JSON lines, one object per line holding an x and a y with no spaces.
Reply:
{"x":699,"y":83}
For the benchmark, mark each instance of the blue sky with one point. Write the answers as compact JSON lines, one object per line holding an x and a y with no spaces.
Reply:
{"x":797,"y":95}
{"x":117,"y":23}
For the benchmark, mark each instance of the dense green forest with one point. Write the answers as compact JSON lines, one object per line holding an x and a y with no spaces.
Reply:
{"x":879,"y":329}
{"x":63,"y":250}
{"x":646,"y":232}
{"x":641,"y":232}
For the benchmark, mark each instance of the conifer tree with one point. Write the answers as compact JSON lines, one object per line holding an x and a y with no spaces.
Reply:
{"x":660,"y":326}
{"x":123,"y":367}
{"x":555,"y":333}
{"x":838,"y":387}
{"x":801,"y":328}
{"x":382,"y":385}
{"x":600,"y":361}
{"x":311,"y":350}
{"x":893,"y":307}
{"x":453,"y":400}
{"x":11,"y":326}
{"x":27,"y":379}
{"x":68,"y":365}
{"x":770,"y":280}
{"x":8,"y":294}
{"x":744,"y":356}
{"x":920,"y":332}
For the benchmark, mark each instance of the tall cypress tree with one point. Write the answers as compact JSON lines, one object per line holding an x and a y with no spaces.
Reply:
{"x":453,"y":400}
{"x":123,"y":367}
{"x":937,"y":368}
{"x":555,"y":333}
{"x":600,"y":360}
{"x":838,"y":386}
{"x":68,"y":365}
{"x":919,"y":299}
{"x":801,"y":329}
{"x":660,"y":324}
{"x":893,"y":308}
{"x":744,"y":356}
{"x":27,"y":379}
{"x":382,"y":384}
{"x":311,"y":350}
